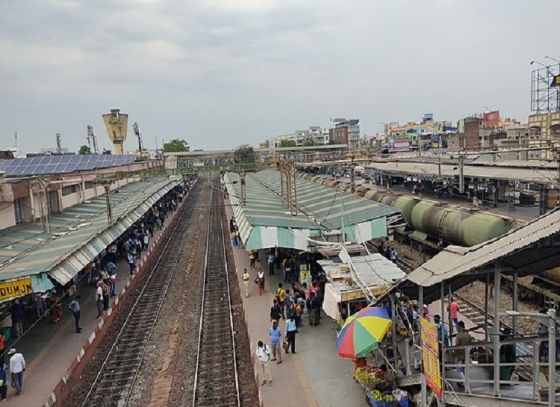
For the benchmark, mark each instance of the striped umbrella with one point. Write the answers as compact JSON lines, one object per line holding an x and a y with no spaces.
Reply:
{"x":362,"y":332}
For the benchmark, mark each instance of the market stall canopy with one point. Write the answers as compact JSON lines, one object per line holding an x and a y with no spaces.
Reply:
{"x":264,"y":222}
{"x":375,"y":271}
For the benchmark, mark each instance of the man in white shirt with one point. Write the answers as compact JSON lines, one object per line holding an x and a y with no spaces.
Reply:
{"x":263,"y":353}
{"x":99,"y":299}
{"x":17,"y":367}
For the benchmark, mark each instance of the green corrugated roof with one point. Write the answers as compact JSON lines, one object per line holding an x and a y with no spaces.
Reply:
{"x":25,"y":250}
{"x":321,"y":207}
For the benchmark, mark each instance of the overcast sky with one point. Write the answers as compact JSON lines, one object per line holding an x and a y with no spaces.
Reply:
{"x":221,"y":73}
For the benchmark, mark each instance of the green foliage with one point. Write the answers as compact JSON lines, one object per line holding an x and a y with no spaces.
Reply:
{"x":84,"y":150}
{"x":244,"y":154}
{"x":308,"y":141}
{"x":176,"y":146}
{"x":287,"y":143}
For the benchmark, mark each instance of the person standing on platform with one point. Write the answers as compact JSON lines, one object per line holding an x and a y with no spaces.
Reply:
{"x":270,"y":260}
{"x":105,"y":290}
{"x":17,"y":367}
{"x":275,"y":311}
{"x":453,"y":310}
{"x":75,"y":308}
{"x":17,"y":318}
{"x":260,"y":281}
{"x":130,"y":260}
{"x":275,"y":335}
{"x":99,"y":299}
{"x":281,"y":295}
{"x":3,"y":386}
{"x":263,"y":353}
{"x":246,"y":278}
{"x":291,"y":329}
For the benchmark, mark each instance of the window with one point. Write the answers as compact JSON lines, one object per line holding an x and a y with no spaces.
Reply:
{"x":18,"y":207}
{"x":70,"y":189}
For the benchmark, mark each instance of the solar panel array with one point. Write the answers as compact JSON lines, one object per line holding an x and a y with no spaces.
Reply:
{"x":61,"y":164}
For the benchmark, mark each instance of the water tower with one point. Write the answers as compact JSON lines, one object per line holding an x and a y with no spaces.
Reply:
{"x":116,"y":124}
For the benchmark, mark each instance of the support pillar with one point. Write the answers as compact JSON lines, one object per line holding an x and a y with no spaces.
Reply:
{"x":496,"y":331}
{"x":423,"y":389}
{"x":442,"y":344}
{"x":514,"y":304}
{"x":551,"y":356}
{"x":486,"y":286}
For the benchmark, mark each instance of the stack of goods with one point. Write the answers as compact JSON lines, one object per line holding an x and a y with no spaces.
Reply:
{"x":368,"y":376}
{"x":378,"y":399}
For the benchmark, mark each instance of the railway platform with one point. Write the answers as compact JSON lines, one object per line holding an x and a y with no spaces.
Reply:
{"x":315,"y":376}
{"x":49,"y":349}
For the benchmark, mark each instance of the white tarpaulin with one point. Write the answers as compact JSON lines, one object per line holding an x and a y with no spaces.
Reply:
{"x":330,"y":303}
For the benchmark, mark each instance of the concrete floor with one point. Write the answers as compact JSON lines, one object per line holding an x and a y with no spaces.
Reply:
{"x":49,"y":349}
{"x":316,"y":375}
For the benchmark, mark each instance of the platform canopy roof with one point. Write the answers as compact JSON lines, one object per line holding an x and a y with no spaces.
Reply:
{"x":530,"y":249}
{"x":79,"y":234}
{"x":264,"y":222}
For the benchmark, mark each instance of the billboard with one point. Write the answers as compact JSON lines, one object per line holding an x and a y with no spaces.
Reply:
{"x":398,"y":144}
{"x":491,"y":119}
{"x":430,"y":356}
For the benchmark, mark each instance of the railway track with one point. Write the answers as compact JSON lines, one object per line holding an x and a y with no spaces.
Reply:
{"x":216,"y":381}
{"x":115,"y":380}
{"x":216,"y":378}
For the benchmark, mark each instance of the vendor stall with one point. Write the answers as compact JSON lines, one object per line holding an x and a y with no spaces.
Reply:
{"x":343,"y":294}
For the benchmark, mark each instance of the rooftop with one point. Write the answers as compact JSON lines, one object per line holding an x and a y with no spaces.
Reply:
{"x":321,"y":209}
{"x":78,"y":234}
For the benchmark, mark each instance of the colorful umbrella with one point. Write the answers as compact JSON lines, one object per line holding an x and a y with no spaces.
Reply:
{"x":362,"y":332}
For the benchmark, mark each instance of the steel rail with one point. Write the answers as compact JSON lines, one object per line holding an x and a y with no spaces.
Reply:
{"x":158,"y":300}
{"x":215,"y":216}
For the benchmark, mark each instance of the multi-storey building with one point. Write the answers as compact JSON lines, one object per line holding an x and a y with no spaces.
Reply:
{"x":543,"y":131}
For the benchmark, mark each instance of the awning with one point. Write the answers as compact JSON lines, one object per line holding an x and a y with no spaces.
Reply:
{"x":265,"y":222}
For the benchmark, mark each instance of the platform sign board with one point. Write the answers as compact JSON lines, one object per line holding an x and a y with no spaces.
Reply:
{"x":430,"y":356}
{"x":16,"y":288}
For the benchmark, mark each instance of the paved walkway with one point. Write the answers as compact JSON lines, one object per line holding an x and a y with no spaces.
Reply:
{"x":49,"y":349}
{"x":315,"y":376}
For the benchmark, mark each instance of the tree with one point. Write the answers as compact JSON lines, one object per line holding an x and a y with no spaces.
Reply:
{"x":244,"y":154}
{"x":176,"y":146}
{"x":84,"y":150}
{"x":287,"y":143}
{"x":308,"y":141}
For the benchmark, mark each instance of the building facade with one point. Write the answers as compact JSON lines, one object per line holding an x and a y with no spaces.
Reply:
{"x":543,"y":131}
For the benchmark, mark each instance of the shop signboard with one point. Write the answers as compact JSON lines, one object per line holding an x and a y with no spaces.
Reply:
{"x":430,"y":356}
{"x":16,"y":288}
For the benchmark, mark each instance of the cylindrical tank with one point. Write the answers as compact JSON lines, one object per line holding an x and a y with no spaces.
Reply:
{"x":402,"y":202}
{"x":457,"y":226}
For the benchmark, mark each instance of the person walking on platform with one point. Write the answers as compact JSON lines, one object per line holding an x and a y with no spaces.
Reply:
{"x":275,"y":335}
{"x":260,"y":281}
{"x":252,"y":259}
{"x":291,"y":330}
{"x":246,"y":278}
{"x":75,"y":308}
{"x":99,"y":299}
{"x":263,"y":354}
{"x":17,"y":367}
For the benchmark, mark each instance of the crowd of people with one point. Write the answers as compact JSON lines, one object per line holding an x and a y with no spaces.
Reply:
{"x":101,"y":273}
{"x":293,"y":301}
